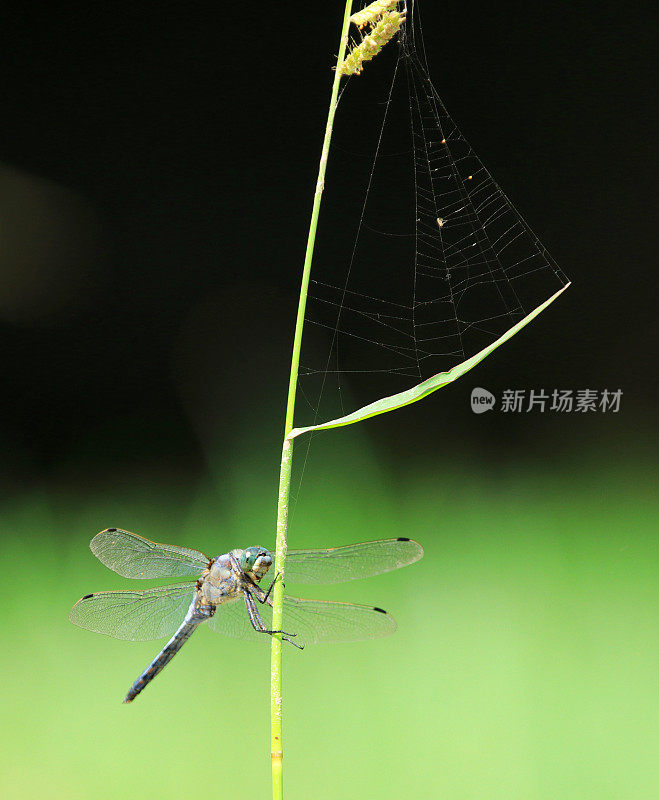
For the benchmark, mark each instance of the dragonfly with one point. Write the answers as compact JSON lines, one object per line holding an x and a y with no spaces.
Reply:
{"x":226,"y":594}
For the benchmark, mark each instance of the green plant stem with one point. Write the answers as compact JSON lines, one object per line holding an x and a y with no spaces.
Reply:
{"x":311,"y":239}
{"x":277,"y":748}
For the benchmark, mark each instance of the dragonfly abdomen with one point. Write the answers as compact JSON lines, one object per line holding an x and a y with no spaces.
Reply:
{"x":196,"y":614}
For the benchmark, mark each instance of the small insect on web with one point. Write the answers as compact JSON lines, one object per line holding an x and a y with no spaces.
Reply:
{"x":438,"y":262}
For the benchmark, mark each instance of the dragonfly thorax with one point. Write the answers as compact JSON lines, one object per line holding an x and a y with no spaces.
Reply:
{"x":227,"y":575}
{"x":220,"y":582}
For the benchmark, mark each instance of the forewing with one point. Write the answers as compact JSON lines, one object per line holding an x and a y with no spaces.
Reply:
{"x":340,"y":564}
{"x":134,"y":556}
{"x":313,"y":621}
{"x":136,"y":616}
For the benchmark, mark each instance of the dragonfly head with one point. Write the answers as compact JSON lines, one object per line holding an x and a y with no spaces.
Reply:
{"x":255,"y":562}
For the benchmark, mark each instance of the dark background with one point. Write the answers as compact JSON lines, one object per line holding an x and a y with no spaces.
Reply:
{"x":158,"y":166}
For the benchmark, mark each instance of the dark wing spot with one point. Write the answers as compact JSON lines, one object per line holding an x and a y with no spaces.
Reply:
{"x":403,"y":539}
{"x":86,"y":597}
{"x":381,"y":610}
{"x":112,"y":530}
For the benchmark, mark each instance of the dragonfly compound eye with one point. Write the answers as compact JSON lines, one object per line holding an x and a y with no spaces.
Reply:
{"x":248,"y":559}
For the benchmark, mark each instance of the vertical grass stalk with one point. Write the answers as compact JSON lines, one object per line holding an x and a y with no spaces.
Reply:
{"x":277,"y":748}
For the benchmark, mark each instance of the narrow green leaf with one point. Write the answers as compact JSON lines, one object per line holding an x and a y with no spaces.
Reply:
{"x":428,"y":386}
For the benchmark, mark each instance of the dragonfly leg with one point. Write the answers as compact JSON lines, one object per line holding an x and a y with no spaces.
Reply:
{"x":270,"y":588}
{"x":259,"y":626}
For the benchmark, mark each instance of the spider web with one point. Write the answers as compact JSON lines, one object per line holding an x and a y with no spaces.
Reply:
{"x":440,"y":264}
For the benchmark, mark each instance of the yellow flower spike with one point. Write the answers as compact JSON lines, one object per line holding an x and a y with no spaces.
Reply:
{"x":371,"y":14}
{"x":370,"y":46}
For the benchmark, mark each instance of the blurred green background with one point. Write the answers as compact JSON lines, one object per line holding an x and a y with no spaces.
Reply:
{"x":524,"y":665}
{"x":157,"y":165}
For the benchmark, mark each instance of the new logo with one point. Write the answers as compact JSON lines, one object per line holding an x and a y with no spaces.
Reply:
{"x":481,"y":400}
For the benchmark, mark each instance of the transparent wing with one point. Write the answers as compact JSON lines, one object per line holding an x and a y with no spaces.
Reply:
{"x":134,"y":556}
{"x":340,"y":564}
{"x":137,"y":616}
{"x":313,"y":621}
